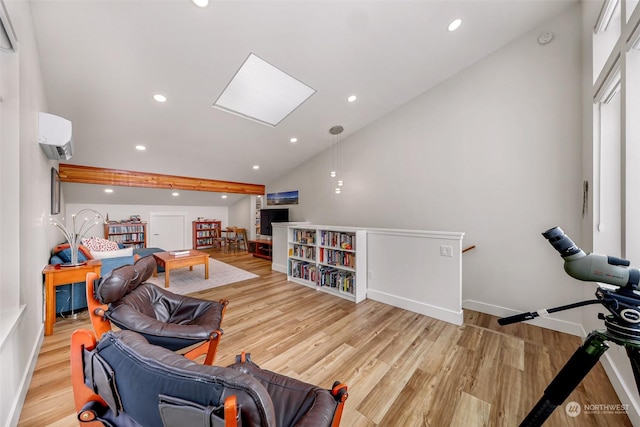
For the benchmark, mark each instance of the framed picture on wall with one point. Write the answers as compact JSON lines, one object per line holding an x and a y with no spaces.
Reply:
{"x":284,"y":198}
{"x":55,"y":192}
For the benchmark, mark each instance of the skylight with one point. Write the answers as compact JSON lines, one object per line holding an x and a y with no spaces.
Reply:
{"x":261,"y":92}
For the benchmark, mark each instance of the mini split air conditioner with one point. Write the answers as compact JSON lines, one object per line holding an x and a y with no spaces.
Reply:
{"x":55,"y":137}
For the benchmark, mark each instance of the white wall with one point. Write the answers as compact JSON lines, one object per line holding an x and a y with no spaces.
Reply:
{"x":241,"y":214}
{"x":19,"y":351}
{"x":122,"y":212}
{"x":493,"y":152}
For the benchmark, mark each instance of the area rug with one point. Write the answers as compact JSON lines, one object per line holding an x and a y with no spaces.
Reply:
{"x":183,"y":281}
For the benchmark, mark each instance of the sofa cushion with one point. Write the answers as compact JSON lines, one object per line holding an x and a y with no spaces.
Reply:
{"x":63,"y":252}
{"x":112,"y":254}
{"x":65,"y":256}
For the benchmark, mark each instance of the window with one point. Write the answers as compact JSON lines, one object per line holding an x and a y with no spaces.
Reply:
{"x":616,"y":66}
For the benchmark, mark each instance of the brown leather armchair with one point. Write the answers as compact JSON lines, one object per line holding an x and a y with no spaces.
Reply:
{"x":162,"y":317}
{"x":125,"y":381}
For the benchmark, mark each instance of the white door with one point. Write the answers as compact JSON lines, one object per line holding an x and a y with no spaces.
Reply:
{"x":167,"y":231}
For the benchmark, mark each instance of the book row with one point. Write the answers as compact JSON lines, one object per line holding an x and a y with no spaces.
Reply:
{"x":337,"y":279}
{"x":124,"y":238}
{"x":304,"y":236}
{"x":337,"y":257}
{"x":301,"y":251}
{"x":116,"y":229}
{"x":324,"y":276}
{"x":338,"y":240}
{"x":207,"y":233}
{"x":205,"y":241}
{"x":205,"y":226}
{"x":303,"y":270}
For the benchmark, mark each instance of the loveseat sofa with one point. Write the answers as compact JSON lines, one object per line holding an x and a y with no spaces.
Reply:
{"x":72,"y":297}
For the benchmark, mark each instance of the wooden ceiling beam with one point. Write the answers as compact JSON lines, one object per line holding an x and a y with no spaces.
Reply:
{"x":102,"y":176}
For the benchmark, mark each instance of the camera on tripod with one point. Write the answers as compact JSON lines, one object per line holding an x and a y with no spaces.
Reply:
{"x":592,"y":267}
{"x":623,"y":303}
{"x":622,"y":325}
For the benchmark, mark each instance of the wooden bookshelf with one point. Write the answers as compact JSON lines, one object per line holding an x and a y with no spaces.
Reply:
{"x":261,"y":248}
{"x":206,"y":234}
{"x":326,"y":259}
{"x":130,"y":234}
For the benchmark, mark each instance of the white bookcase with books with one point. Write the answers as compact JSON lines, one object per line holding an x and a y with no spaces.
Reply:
{"x":327,"y":258}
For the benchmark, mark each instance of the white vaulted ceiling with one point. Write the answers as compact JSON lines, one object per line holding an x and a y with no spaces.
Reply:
{"x":103,"y":61}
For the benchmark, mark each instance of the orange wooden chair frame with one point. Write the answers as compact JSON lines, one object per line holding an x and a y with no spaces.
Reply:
{"x":101,"y":324}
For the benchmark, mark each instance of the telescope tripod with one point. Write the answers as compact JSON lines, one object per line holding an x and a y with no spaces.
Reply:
{"x":622,"y":328}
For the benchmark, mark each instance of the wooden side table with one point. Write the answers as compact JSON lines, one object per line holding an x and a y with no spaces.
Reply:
{"x":261,"y":248}
{"x":56,"y":276}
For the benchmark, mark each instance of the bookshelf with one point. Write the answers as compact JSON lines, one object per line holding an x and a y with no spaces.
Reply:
{"x":326,"y":259}
{"x":130,"y":234}
{"x":206,"y":234}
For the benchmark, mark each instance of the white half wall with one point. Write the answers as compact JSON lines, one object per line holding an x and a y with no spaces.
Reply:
{"x":407,"y":269}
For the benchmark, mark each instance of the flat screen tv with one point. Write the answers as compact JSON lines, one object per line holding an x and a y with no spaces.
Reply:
{"x":269,"y":216}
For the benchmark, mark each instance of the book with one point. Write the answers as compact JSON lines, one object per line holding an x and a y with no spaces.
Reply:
{"x":179,"y":253}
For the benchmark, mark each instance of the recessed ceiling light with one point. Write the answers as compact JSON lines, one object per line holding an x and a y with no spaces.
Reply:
{"x":352,"y":98}
{"x":160,"y":98}
{"x":294,"y":139}
{"x":175,"y":194}
{"x":256,"y":167}
{"x":108,"y":190}
{"x":201,"y":3}
{"x":263,"y":93}
{"x":224,"y":196}
{"x":140,"y":147}
{"x":455,"y":24}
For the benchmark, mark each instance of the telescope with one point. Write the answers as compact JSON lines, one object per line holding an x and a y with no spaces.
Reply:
{"x":622,"y":325}
{"x":592,"y":267}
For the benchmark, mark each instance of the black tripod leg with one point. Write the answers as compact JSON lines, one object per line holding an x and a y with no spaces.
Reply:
{"x":573,"y":372}
{"x":634,"y":358}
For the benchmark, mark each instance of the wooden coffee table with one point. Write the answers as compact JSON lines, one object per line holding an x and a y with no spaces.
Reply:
{"x":169,"y":262}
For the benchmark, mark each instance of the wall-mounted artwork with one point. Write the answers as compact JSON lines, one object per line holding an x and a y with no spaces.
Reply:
{"x":55,"y":192}
{"x":284,"y":198}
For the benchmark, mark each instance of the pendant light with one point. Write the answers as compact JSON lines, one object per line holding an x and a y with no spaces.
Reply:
{"x":335,"y":154}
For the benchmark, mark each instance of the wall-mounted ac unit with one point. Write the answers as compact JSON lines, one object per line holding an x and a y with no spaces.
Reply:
{"x":55,"y":137}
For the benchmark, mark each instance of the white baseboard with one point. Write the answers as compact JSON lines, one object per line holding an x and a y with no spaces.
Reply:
{"x":18,"y":402}
{"x":279,"y":268}
{"x":416,"y":306}
{"x":626,"y":395}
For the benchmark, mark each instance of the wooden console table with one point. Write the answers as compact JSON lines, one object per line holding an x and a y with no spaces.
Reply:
{"x":56,"y":276}
{"x":261,"y":248}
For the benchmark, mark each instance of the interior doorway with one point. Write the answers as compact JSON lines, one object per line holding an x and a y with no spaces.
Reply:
{"x":168,"y":230}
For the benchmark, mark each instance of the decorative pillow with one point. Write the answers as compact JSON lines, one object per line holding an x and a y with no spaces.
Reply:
{"x":98,"y":244}
{"x":82,"y":251}
{"x":65,"y":255}
{"x":112,"y":254}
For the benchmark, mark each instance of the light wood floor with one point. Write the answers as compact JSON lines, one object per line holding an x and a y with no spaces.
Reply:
{"x":403,"y":369}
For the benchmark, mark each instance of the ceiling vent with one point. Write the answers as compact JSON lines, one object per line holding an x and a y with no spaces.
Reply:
{"x":55,"y":137}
